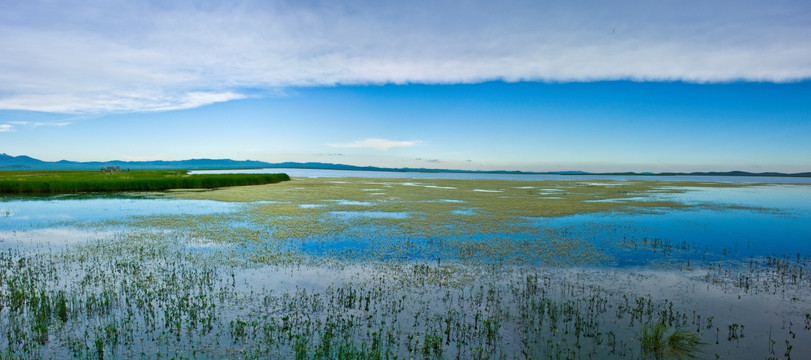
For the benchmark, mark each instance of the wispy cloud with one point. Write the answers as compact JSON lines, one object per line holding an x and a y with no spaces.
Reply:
{"x":148,"y":100}
{"x":375,"y":143}
{"x":81,"y":57}
{"x":10,"y":126}
{"x":52,"y":124}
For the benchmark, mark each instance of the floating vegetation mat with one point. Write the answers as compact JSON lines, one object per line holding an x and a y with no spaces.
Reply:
{"x":378,"y":268}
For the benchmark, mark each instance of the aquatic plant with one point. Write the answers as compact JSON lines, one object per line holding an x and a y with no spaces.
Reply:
{"x":68,"y":182}
{"x":678,"y":344}
{"x":276,"y":279}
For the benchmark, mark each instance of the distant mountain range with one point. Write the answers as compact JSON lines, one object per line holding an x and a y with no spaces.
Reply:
{"x":27,"y":163}
{"x":23,"y":162}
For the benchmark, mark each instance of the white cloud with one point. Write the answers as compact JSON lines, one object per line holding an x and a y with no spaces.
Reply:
{"x":115,"y":102}
{"x":84,"y":57}
{"x":374,"y":143}
{"x":10,"y":126}
{"x":50,"y":124}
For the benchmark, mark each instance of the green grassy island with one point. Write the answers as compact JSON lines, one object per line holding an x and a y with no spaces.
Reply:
{"x":114,"y":180}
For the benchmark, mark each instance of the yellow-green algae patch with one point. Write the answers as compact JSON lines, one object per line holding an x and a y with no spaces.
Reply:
{"x":472,"y":219}
{"x":438,"y":199}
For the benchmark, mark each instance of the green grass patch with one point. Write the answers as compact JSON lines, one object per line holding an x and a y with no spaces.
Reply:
{"x":680,"y":344}
{"x":71,"y":182}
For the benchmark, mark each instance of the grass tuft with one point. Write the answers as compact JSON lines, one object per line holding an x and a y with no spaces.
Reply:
{"x":680,"y":344}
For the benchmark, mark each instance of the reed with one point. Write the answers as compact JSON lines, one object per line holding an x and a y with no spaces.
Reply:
{"x":679,"y":344}
{"x":71,"y":182}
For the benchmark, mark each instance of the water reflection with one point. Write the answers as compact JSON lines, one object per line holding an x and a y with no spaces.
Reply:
{"x":16,"y":214}
{"x":764,"y":221}
{"x":165,"y":289}
{"x":49,"y":238}
{"x":783,"y":197}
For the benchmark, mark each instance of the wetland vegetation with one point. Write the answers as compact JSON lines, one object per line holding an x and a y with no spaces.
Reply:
{"x":363,"y":268}
{"x":70,"y":182}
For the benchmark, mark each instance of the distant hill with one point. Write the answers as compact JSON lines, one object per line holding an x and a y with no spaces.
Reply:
{"x":331,"y":166}
{"x":27,"y":163}
{"x":23,"y":163}
{"x":714,"y":173}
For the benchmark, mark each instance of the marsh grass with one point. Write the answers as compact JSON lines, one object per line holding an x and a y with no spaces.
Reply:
{"x":145,"y":294}
{"x":659,"y":342}
{"x":69,"y":182}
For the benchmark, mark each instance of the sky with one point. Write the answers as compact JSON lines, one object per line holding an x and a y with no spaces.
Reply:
{"x":518,"y":85}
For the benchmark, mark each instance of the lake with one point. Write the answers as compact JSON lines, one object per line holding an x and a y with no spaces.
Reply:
{"x":318,"y":173}
{"x":334,"y":264}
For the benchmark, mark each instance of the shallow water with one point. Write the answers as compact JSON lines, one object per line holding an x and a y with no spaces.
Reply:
{"x":316,"y":173}
{"x":699,"y":235}
{"x":785,"y":198}
{"x":730,"y":224}
{"x":48,"y":224}
{"x":17,"y":213}
{"x":740,"y":256}
{"x":764,"y":221}
{"x":48,"y":239}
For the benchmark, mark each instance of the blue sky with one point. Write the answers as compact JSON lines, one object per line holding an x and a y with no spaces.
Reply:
{"x":527,"y":85}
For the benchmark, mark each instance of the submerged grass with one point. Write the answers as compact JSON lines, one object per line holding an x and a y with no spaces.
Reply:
{"x":65,"y":182}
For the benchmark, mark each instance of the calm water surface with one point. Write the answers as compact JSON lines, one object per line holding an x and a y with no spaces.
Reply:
{"x":762,"y":221}
{"x":766,"y":220}
{"x":19,"y":213}
{"x":317,"y":173}
{"x":772,"y":220}
{"x":55,"y":222}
